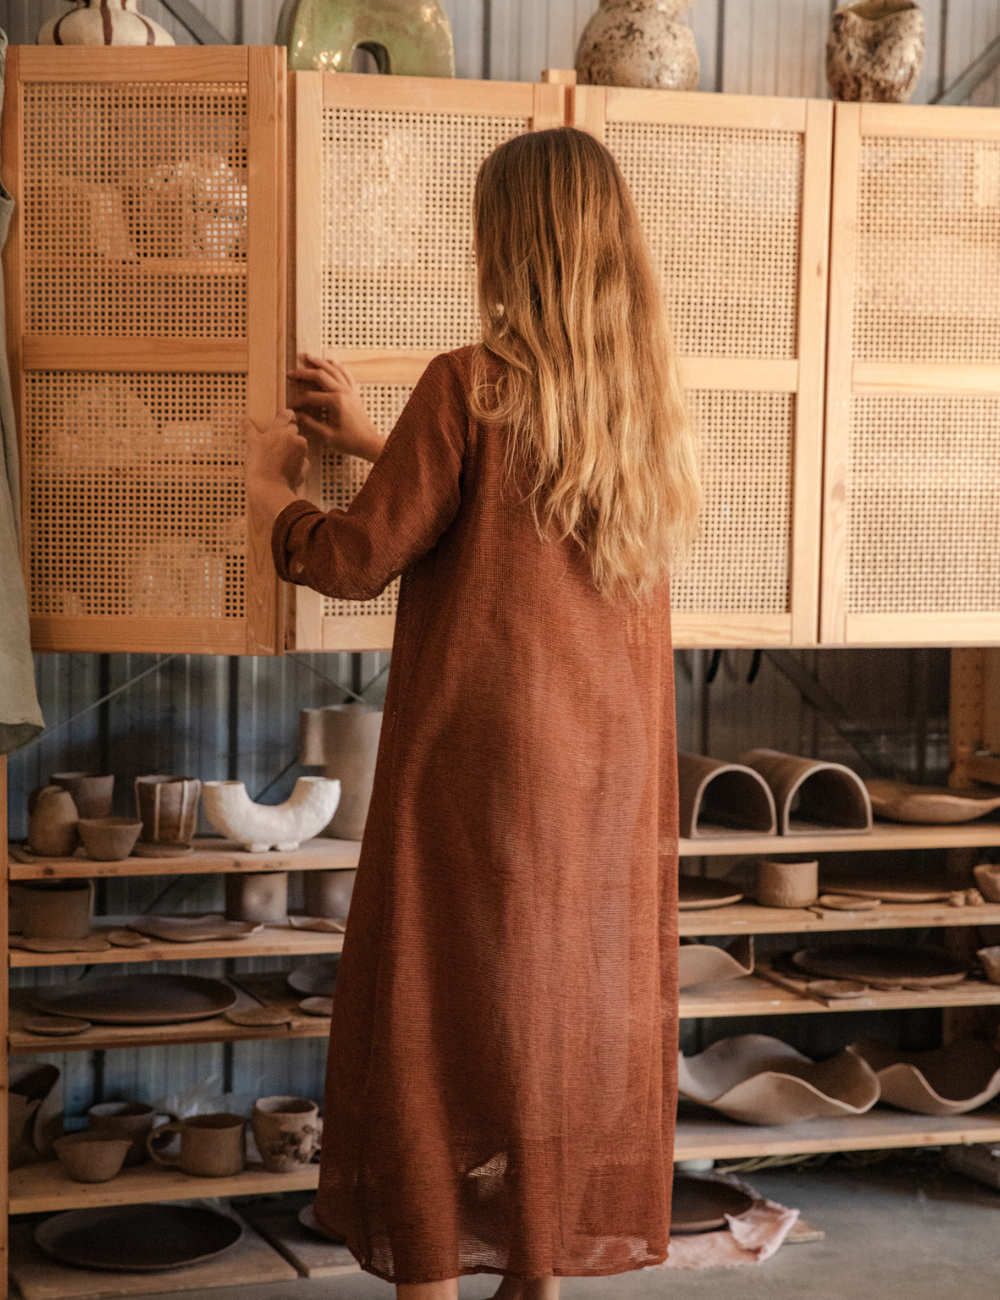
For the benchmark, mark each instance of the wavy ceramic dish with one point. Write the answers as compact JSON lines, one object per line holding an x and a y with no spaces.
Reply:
{"x":950,"y":1080}
{"x":703,"y":963}
{"x":930,"y":805}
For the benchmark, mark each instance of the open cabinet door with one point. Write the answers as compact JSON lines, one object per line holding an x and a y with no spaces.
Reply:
{"x":385,"y":279}
{"x":733,"y":193}
{"x":912,"y":490}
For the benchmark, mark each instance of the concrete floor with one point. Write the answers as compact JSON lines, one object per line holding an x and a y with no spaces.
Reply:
{"x":894,"y":1231}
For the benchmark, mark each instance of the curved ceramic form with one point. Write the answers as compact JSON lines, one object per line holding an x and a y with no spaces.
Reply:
{"x":702,"y":963}
{"x":328,"y":893}
{"x":351,"y":734}
{"x":168,"y":808}
{"x":987,"y":876}
{"x":786,"y":884}
{"x":104,"y":22}
{"x":639,"y":43}
{"x":875,"y":51}
{"x":760,"y":1080}
{"x":92,"y":794}
{"x":259,"y":827}
{"x":717,"y":797}
{"x":109,"y":839}
{"x":408,"y":38}
{"x":258,"y":896}
{"x":930,"y":805}
{"x":950,"y":1080}
{"x":811,"y":795}
{"x":53,"y":822}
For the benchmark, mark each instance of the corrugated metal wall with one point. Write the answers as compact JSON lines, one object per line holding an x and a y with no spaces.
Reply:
{"x":214,"y":717}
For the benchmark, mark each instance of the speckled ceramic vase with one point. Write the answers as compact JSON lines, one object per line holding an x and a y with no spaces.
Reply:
{"x":104,"y":22}
{"x":409,"y":38}
{"x":875,"y":51}
{"x":638,"y":43}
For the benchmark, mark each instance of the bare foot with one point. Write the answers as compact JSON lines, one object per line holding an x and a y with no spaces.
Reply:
{"x":535,"y":1288}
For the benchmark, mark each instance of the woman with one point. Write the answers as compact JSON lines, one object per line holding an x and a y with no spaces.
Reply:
{"x":501,"y":1081}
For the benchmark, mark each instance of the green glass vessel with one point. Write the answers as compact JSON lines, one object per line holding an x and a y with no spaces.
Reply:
{"x":409,"y":38}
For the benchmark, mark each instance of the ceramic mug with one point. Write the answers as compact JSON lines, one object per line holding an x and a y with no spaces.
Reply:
{"x":287,"y":1131}
{"x":126,"y":1119}
{"x":55,"y":909}
{"x":211,"y":1146}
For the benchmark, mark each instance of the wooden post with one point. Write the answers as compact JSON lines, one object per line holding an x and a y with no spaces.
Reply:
{"x":4,"y":1015}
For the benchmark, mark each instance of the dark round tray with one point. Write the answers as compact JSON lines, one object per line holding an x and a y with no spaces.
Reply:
{"x":137,"y":999}
{"x":875,"y":964}
{"x":701,"y":1204}
{"x":137,"y":1238}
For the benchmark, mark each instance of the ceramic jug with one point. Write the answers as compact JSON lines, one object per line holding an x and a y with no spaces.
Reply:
{"x":104,"y":22}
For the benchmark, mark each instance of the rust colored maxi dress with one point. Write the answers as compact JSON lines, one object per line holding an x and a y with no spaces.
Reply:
{"x":501,"y":1086}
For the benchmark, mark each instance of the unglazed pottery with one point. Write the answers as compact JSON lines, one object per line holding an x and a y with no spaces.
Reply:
{"x":990,"y":957}
{"x":987,"y":876}
{"x":168,"y":809}
{"x":914,"y":966}
{"x":700,"y":1203}
{"x":720,"y":798}
{"x":259,"y":827}
{"x":760,"y":1080}
{"x":137,"y":1238}
{"x":318,"y":980}
{"x":875,"y":51}
{"x":91,"y":794}
{"x":328,"y":893}
{"x":812,"y":795}
{"x":211,"y":1146}
{"x":163,"y":999}
{"x":109,"y":839}
{"x":56,"y":1026}
{"x":639,"y":43}
{"x":56,"y":909}
{"x":257,"y":896}
{"x":696,"y":893}
{"x":131,"y":1120}
{"x":703,"y":963}
{"x":930,"y":805}
{"x":34,"y":1112}
{"x":786,"y":884}
{"x":950,"y":1080}
{"x":410,"y":38}
{"x":350,"y":743}
{"x":91,"y":1157}
{"x":287,"y":1131}
{"x":194,"y":929}
{"x":104,"y":22}
{"x":52,"y":822}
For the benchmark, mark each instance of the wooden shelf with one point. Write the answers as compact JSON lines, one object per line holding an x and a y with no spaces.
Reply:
{"x":269,"y":990}
{"x":37,"y":1189}
{"x":884,"y":837}
{"x":749,"y":918}
{"x":754,"y":996}
{"x":273,"y":941}
{"x":715,"y":1138}
{"x":209,"y":855}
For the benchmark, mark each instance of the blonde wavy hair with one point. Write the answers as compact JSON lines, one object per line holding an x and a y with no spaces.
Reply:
{"x":588,"y":382}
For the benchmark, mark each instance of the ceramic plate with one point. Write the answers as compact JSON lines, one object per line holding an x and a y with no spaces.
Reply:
{"x":701,"y":1204}
{"x":137,"y":1238}
{"x":315,"y":981}
{"x":193,"y":929}
{"x":874,"y":964}
{"x":137,"y":999}
{"x":56,"y":1026}
{"x":699,"y":892}
{"x":930,"y":805}
{"x":895,"y":893}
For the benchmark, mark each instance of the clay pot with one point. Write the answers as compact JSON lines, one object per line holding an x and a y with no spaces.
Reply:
{"x":639,"y":43}
{"x":328,"y":893}
{"x":56,"y":909}
{"x":168,"y":809}
{"x":91,"y":794}
{"x":259,"y":827}
{"x":52,"y":824}
{"x":287,"y":1131}
{"x":875,"y":51}
{"x":259,"y":896}
{"x":91,"y":1157}
{"x":786,"y":884}
{"x":109,"y":839}
{"x":350,"y":747}
{"x":104,"y":22}
{"x":211,"y":1146}
{"x":131,"y":1120}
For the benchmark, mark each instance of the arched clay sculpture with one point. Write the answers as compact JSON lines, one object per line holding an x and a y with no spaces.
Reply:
{"x":639,"y":43}
{"x":950,"y":1080}
{"x":760,"y":1080}
{"x":410,"y":38}
{"x":719,"y":798}
{"x":702,"y":963}
{"x":259,"y":827}
{"x":875,"y":51}
{"x":811,"y":795}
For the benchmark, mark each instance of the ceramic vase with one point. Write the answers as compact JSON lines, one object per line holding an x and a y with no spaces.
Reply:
{"x":349,"y":747}
{"x":168,"y":809}
{"x":259,"y":827}
{"x":52,"y":823}
{"x":287,"y":1131}
{"x":328,"y":893}
{"x":56,"y":909}
{"x":875,"y":51}
{"x":104,"y":22}
{"x":639,"y":43}
{"x":409,"y":38}
{"x":91,"y":794}
{"x":258,"y":896}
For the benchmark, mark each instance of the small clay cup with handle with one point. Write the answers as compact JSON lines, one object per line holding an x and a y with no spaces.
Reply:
{"x":287,"y":1131}
{"x":55,"y":909}
{"x":131,"y":1120}
{"x":786,"y":884}
{"x":91,"y":1157}
{"x":211,"y":1146}
{"x":92,"y":794}
{"x":52,"y":822}
{"x":109,"y":839}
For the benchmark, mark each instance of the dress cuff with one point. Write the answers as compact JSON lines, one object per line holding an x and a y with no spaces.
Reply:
{"x":281,"y":548}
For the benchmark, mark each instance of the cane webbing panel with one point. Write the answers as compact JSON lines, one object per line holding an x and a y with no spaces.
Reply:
{"x":721,"y":210}
{"x":135,"y":494}
{"x":741,"y":563}
{"x":928,"y":251}
{"x":342,"y":478}
{"x":923,"y":505}
{"x":397,"y":225}
{"x":135,"y":209}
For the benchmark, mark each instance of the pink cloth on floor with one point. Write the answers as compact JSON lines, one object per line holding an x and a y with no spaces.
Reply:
{"x":750,"y":1238}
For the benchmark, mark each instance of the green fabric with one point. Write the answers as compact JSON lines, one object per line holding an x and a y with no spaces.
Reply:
{"x":20,"y":717}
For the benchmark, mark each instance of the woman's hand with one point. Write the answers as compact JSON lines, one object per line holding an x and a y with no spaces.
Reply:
{"x":331,"y":409}
{"x":276,"y":464}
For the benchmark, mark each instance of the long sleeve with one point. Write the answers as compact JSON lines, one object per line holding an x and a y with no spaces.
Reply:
{"x":411,"y":496}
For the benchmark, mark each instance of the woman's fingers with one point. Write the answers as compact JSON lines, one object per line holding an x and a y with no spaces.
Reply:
{"x":313,"y":425}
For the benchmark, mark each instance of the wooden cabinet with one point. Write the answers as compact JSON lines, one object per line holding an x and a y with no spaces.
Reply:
{"x":145,"y":294}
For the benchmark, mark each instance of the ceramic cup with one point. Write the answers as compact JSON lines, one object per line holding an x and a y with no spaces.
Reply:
{"x":287,"y":1131}
{"x":55,"y":909}
{"x":109,"y":839}
{"x":91,"y":1157}
{"x":257,"y":896}
{"x":327,"y":893}
{"x":91,"y":794}
{"x":167,"y":806}
{"x":52,"y":822}
{"x":211,"y":1146}
{"x":787,"y":884}
{"x":131,"y":1120}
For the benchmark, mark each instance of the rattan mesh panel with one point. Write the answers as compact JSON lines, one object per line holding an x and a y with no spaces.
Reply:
{"x":135,"y":496}
{"x":721,"y":210}
{"x":740,"y":564}
{"x":928,"y":251}
{"x":397,"y":225}
{"x":135,"y":209}
{"x":342,"y":477}
{"x":923,"y":505}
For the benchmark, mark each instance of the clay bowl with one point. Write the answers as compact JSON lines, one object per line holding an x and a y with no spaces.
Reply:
{"x":91,"y":1157}
{"x":950,"y":1080}
{"x":109,"y":839}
